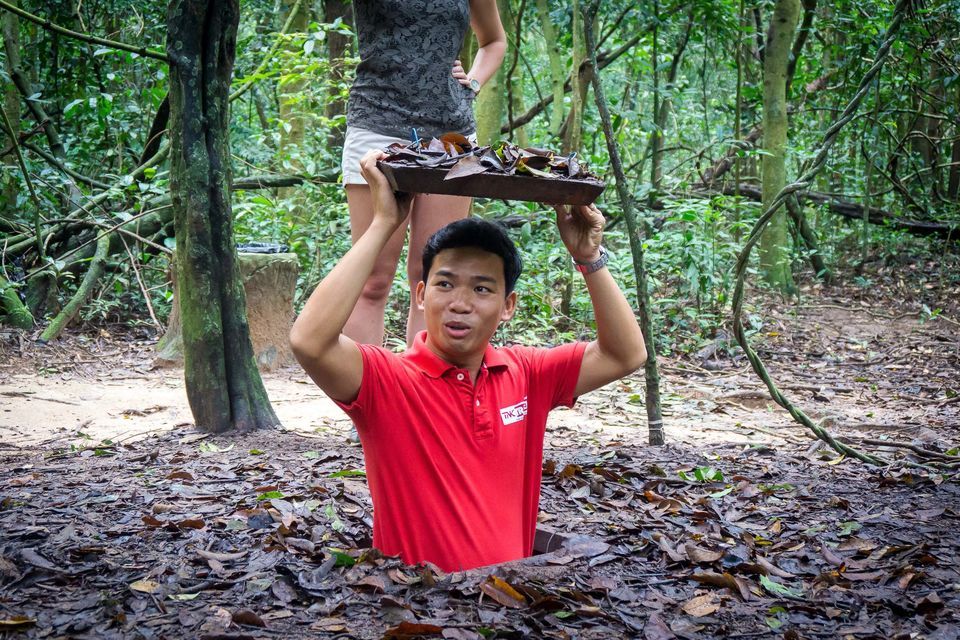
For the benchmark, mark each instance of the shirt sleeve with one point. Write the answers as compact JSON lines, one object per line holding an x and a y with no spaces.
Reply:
{"x":378,"y":375}
{"x":554,"y":373}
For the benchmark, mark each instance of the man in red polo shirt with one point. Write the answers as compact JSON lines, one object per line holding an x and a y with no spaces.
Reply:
{"x":452,"y":429}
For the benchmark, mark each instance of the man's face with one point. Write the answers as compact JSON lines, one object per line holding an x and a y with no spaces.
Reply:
{"x":463,"y":302}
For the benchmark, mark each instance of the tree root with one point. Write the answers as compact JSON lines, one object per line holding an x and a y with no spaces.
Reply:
{"x":84,"y":291}
{"x":12,"y":311}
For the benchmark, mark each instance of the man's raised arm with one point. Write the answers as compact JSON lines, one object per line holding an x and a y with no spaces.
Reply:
{"x":619,"y":349}
{"x":332,"y":359}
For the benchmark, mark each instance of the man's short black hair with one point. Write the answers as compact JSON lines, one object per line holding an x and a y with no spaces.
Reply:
{"x":478,"y":233}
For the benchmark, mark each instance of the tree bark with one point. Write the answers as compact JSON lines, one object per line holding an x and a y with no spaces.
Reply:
{"x":224,"y":388}
{"x":12,"y":311}
{"x":10,"y":188}
{"x":774,"y":254}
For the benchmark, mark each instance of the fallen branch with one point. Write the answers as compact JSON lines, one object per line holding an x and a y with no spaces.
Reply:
{"x":927,"y":453}
{"x":79,"y":177}
{"x":251,"y":183}
{"x":724,"y":164}
{"x":854,"y":211}
{"x":50,"y":26}
{"x":20,"y":244}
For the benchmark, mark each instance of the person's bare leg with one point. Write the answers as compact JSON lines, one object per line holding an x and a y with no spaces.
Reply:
{"x":366,"y":322}
{"x":430,"y":212}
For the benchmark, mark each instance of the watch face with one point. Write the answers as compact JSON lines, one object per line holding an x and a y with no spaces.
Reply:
{"x":475,"y":85}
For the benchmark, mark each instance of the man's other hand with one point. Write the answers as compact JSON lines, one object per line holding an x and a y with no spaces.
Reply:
{"x":581,"y":229}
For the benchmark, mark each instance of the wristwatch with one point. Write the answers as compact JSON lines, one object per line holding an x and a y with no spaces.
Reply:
{"x":475,"y":85}
{"x":596,"y":265}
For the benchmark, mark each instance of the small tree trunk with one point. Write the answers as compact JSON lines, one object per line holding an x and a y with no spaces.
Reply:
{"x":223,"y":385}
{"x":293,"y":119}
{"x":738,"y":111}
{"x":512,"y":77}
{"x":663,"y":105}
{"x":491,"y":104}
{"x":774,"y":255}
{"x":656,"y":137}
{"x":337,"y":47}
{"x":580,"y":75}
{"x":651,"y":371}
{"x":809,"y":237}
{"x":558,"y":76}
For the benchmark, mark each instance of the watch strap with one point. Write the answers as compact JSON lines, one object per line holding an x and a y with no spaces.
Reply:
{"x":596,"y":265}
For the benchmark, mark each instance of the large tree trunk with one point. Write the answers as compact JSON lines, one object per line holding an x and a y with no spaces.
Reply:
{"x":774,"y":254}
{"x":9,"y":186}
{"x":223,"y":385}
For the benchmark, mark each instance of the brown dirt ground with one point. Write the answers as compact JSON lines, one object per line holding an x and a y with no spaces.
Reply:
{"x":866,"y":370}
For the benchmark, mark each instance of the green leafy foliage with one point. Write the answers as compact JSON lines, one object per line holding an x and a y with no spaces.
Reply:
{"x":103,"y":102}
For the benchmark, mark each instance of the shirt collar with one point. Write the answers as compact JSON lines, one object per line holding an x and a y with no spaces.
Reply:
{"x":435,"y":366}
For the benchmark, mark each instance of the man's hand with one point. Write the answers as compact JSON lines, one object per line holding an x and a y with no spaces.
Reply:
{"x":387,"y":206}
{"x":581,"y":229}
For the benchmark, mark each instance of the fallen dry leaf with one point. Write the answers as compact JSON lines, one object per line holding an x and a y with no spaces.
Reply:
{"x":703,"y":605}
{"x":145,"y":586}
{"x":409,"y":630}
{"x":501,"y":591}
{"x":247,"y":617}
{"x":736,"y":584}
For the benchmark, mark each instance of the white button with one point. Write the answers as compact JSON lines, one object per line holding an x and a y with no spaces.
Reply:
{"x":459,"y":376}
{"x":478,"y":403}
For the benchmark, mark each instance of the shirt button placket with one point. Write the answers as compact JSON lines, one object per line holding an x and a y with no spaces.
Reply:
{"x":481,"y":420}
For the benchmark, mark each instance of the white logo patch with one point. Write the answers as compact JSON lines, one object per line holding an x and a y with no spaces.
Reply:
{"x":514,"y":413}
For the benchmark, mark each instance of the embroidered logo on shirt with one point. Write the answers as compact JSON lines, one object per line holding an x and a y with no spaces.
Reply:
{"x":514,"y":413}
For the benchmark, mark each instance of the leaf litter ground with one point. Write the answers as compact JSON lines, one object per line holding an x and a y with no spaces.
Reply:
{"x":741,"y":527}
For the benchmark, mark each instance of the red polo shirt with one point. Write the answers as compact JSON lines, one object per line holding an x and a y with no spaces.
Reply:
{"x":453,"y":467}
